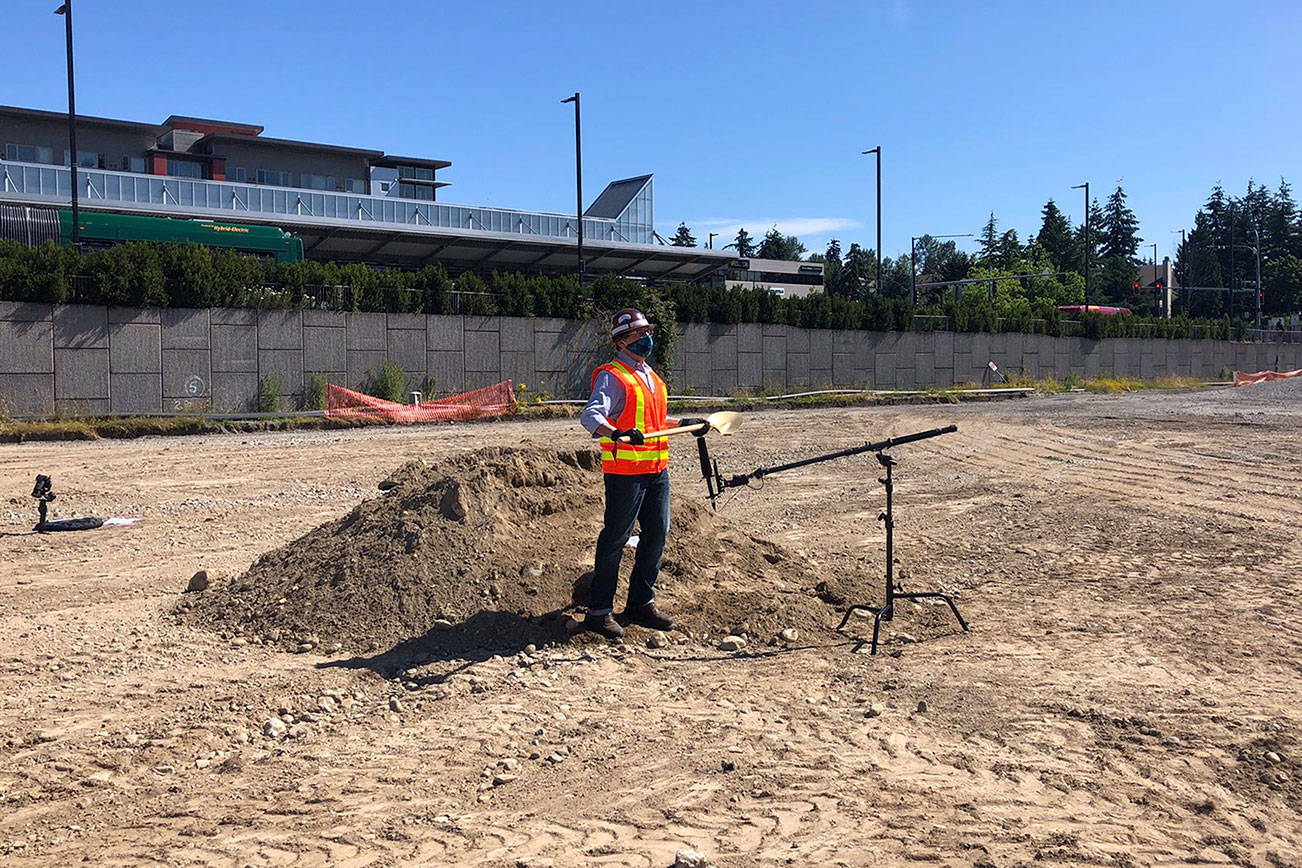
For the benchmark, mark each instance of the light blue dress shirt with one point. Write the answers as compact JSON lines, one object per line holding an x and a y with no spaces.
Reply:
{"x":607,"y":400}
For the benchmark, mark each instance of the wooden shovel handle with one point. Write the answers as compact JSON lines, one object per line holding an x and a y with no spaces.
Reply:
{"x":681,"y":429}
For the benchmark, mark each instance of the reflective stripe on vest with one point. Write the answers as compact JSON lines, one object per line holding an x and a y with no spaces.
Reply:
{"x":645,"y":410}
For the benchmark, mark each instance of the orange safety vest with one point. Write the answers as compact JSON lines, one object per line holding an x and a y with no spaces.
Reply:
{"x":645,"y":410}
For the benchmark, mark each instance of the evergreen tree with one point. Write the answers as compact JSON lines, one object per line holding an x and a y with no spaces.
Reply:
{"x":778,"y":246}
{"x":989,"y":241}
{"x":1055,"y":237}
{"x":1010,"y":252}
{"x":1281,"y":281}
{"x":1119,"y":230}
{"x":1200,"y":265}
{"x":832,"y":268}
{"x":683,"y":237}
{"x":940,"y":260}
{"x":743,"y":244}
{"x":1281,"y":234}
{"x":860,"y":269}
{"x":895,"y":277}
{"x":1095,"y":220}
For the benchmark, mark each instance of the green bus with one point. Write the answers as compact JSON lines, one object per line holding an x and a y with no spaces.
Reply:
{"x":33,"y":225}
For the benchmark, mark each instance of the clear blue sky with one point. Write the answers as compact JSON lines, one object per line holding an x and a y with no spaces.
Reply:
{"x":749,"y":114}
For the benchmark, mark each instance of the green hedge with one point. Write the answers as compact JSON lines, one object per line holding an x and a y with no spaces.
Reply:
{"x":189,"y":275}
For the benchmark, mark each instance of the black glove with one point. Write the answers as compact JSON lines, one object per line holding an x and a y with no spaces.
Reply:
{"x":704,"y":429}
{"x":633,"y":434}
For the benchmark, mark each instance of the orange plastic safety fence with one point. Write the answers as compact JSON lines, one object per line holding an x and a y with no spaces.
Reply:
{"x":492,"y":400}
{"x":1242,"y":379}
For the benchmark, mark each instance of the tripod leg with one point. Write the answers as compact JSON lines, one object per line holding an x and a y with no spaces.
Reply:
{"x":852,"y":610}
{"x":919,"y":595}
{"x":877,"y":625}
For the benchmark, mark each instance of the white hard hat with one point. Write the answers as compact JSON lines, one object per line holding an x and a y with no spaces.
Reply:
{"x":627,"y":320}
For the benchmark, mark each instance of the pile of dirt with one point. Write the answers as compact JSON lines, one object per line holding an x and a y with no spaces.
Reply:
{"x":489,"y":550}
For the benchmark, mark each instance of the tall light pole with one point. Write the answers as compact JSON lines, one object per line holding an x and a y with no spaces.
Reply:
{"x":1256,"y":236}
{"x":578,"y":177}
{"x":1157,"y":283}
{"x":709,"y":242}
{"x":913,"y":268}
{"x":1182,"y":255}
{"x":878,"y":151}
{"x":66,"y":11}
{"x":1089,"y":246}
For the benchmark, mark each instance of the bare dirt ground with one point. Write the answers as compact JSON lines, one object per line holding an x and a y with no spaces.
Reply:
{"x":1128,"y":695}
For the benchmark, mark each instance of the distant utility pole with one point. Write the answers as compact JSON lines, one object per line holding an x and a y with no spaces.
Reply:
{"x":878,"y":151}
{"x":578,"y":177}
{"x":66,"y":11}
{"x":1089,"y":247}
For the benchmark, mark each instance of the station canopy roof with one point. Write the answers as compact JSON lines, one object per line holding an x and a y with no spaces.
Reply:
{"x":414,"y":246}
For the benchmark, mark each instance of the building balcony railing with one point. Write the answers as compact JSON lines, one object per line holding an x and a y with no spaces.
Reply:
{"x":33,"y":182}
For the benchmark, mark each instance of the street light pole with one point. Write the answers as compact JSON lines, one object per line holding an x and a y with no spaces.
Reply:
{"x":709,"y":242}
{"x":66,"y":11}
{"x":1232,"y":274}
{"x":1256,"y":235}
{"x":1157,"y":283}
{"x":878,"y":152}
{"x":1182,"y":255}
{"x":913,"y":272}
{"x":578,"y":177}
{"x":1088,"y":245}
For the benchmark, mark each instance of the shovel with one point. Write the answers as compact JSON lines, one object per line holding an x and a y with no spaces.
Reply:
{"x":724,"y":422}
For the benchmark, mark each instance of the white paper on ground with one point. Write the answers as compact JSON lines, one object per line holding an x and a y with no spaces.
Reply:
{"x":632,"y":542}
{"x":115,"y":522}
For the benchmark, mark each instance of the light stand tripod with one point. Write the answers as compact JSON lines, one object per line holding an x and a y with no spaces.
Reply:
{"x":886,"y":611}
{"x":715,"y":483}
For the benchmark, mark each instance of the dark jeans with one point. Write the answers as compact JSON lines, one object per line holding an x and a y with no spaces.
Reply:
{"x":629,"y":499}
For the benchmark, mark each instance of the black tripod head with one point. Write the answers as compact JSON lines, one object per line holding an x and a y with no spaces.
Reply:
{"x":44,"y":489}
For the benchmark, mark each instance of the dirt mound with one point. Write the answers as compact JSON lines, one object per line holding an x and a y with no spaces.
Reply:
{"x":489,"y":550}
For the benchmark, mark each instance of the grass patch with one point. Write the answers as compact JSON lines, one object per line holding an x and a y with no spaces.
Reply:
{"x":129,"y":427}
{"x":14,"y":431}
{"x":1106,"y":385}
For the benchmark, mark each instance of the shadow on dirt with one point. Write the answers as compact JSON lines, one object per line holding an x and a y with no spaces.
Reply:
{"x":474,"y":640}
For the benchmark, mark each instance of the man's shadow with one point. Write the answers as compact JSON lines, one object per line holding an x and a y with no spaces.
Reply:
{"x":475,"y":640}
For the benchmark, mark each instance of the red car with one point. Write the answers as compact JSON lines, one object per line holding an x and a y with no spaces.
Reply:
{"x":1103,"y":309}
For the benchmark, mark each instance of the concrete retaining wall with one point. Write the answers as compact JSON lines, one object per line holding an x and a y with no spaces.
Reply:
{"x":81,"y":360}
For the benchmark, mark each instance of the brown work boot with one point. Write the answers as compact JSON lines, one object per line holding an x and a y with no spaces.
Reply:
{"x":605,"y":624}
{"x":648,"y":616}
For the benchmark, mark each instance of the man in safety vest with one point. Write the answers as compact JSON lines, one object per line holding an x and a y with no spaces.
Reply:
{"x":628,"y":400}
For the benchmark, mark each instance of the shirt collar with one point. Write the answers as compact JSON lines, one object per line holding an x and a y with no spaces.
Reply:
{"x":632,"y":362}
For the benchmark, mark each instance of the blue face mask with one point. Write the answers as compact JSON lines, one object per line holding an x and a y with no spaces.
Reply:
{"x":642,"y":346}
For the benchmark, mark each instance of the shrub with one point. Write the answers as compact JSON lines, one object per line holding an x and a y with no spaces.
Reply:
{"x":315,"y":397}
{"x":269,"y":394}
{"x":190,"y":275}
{"x":388,"y":381}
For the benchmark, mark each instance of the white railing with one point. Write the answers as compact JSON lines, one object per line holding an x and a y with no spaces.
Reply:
{"x":31,"y":182}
